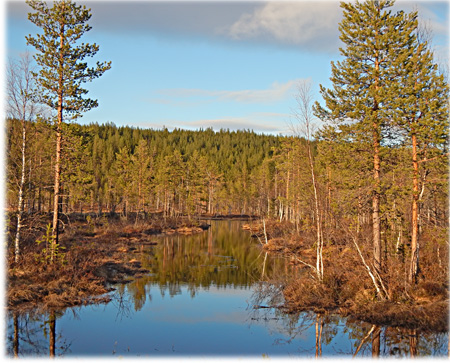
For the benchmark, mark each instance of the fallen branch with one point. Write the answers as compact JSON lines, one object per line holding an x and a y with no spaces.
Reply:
{"x":268,"y":306}
{"x":382,"y":285}
{"x":305,"y":263}
{"x":374,"y":280}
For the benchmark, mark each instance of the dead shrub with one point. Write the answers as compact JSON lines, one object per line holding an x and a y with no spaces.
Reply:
{"x":432,"y":289}
{"x":347,"y":286}
{"x":305,"y":294}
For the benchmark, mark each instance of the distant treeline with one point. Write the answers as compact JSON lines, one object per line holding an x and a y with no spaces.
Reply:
{"x":181,"y":172}
{"x":123,"y":169}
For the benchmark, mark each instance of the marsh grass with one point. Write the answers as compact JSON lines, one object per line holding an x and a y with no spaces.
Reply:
{"x":347,"y":288}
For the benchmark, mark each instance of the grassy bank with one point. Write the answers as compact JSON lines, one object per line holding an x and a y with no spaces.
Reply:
{"x":347,"y":287}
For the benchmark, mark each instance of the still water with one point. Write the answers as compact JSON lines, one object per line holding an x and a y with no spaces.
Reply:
{"x":198,"y":300}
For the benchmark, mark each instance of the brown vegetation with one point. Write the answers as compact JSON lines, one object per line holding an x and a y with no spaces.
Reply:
{"x":96,"y":253}
{"x":347,"y":288}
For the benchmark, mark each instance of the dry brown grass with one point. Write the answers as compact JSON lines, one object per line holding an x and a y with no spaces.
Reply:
{"x":348,"y":289}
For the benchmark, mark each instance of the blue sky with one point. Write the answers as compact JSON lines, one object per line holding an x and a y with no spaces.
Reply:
{"x":211,"y":64}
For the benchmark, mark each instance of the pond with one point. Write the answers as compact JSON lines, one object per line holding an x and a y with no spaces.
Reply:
{"x":198,"y":300}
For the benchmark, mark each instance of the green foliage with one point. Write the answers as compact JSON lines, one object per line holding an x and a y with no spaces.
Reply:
{"x":386,"y":113}
{"x":52,"y":252}
{"x":61,"y":60}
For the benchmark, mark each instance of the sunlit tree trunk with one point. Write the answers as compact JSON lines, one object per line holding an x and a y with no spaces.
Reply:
{"x":376,"y":228}
{"x":56,"y":197}
{"x":304,"y":115}
{"x":21,"y":201}
{"x":414,"y":266}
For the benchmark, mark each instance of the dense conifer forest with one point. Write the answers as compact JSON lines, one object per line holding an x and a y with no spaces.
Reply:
{"x":109,"y":169}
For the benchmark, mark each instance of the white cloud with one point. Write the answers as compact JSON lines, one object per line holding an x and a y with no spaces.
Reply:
{"x":276,"y":92}
{"x":264,"y":122}
{"x":239,"y":123}
{"x":313,"y":25}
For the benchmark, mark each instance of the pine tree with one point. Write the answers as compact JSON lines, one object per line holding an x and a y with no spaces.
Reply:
{"x":63,"y":71}
{"x":142,"y":172}
{"x":420,"y":111}
{"x":123,"y":175}
{"x":363,"y":83}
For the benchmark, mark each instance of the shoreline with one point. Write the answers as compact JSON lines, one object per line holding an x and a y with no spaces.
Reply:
{"x":96,"y":254}
{"x":346,"y":288}
{"x":100,"y":254}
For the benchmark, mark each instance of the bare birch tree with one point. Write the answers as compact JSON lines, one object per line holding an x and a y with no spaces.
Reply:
{"x":20,"y":105}
{"x":305,"y":127}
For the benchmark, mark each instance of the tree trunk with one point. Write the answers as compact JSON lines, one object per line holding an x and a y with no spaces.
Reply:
{"x":56,"y":197}
{"x":287,"y":203}
{"x":21,"y":204}
{"x":209,"y":196}
{"x":414,"y":266}
{"x":376,"y":217}
{"x":319,"y":248}
{"x":376,"y":230}
{"x":39,"y":208}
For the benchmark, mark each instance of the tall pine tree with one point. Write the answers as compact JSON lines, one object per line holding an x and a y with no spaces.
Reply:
{"x":420,"y":112}
{"x":363,"y":84}
{"x":62,"y":71}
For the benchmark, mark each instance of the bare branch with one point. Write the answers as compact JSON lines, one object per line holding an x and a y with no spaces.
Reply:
{"x":369,"y":271}
{"x":434,"y":158}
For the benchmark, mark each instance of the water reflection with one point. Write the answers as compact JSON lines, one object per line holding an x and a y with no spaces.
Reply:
{"x":34,"y":334}
{"x":327,"y":335}
{"x":198,"y":299}
{"x":224,"y":256}
{"x":319,"y":322}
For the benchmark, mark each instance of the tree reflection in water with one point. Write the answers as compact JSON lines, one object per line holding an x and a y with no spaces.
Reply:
{"x":319,"y":322}
{"x":329,"y":331}
{"x":34,"y":334}
{"x":224,"y":256}
{"x":376,"y":341}
{"x":16,"y":334}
